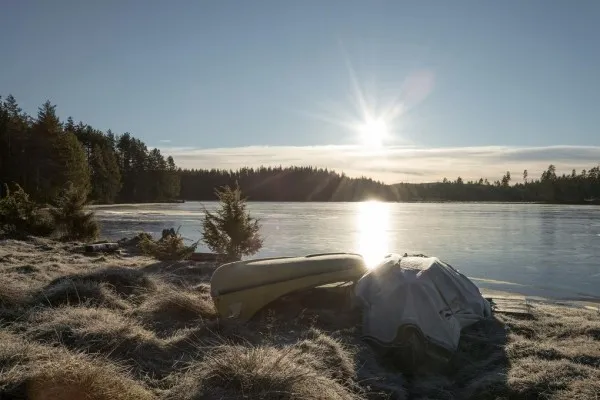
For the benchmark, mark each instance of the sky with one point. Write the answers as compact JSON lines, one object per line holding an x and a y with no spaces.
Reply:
{"x":408,"y":91}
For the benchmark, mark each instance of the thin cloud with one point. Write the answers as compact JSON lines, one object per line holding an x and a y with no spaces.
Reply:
{"x":165,"y":141}
{"x":400,"y":163}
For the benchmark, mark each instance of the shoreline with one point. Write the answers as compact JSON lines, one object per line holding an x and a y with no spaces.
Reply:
{"x":125,"y":252}
{"x":249,"y":201}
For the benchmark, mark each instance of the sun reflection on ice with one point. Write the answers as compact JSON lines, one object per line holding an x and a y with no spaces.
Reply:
{"x":372,"y":222}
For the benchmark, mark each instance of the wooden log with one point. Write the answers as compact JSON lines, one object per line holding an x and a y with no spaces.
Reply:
{"x":101,"y":247}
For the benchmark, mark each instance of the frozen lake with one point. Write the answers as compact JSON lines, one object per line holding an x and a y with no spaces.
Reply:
{"x":546,"y":250}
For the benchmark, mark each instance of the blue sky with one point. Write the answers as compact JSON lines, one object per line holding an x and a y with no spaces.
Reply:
{"x":478,"y":87}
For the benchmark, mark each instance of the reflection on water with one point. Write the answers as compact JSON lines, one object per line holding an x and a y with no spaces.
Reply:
{"x":535,"y":249}
{"x":372,"y":223}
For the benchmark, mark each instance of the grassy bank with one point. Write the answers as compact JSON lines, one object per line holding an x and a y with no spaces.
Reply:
{"x":128,"y":327}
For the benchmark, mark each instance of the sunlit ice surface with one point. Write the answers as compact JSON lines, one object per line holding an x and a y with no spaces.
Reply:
{"x":373,"y":225}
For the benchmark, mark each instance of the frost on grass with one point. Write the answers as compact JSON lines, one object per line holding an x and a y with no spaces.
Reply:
{"x":171,"y":309}
{"x":127,"y":327}
{"x":124,"y":281}
{"x":77,"y":292}
{"x":100,"y":331}
{"x":36,"y":372}
{"x":264,"y":372}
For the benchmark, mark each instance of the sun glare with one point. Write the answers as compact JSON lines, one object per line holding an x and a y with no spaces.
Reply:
{"x":372,"y":224}
{"x":374,"y":132}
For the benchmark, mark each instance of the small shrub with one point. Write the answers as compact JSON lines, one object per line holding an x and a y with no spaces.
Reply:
{"x":20,"y":216}
{"x":231,"y":230}
{"x":70,"y":216}
{"x":170,"y":247}
{"x":43,"y":224}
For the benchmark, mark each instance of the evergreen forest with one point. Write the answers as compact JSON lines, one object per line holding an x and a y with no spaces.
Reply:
{"x":43,"y":154}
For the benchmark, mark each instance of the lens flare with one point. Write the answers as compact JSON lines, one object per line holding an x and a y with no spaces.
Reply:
{"x":374,"y":132}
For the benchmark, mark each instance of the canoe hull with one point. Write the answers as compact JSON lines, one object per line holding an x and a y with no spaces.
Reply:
{"x":241,"y":289}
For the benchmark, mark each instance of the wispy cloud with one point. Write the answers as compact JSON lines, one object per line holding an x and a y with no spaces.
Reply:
{"x":164,"y":141}
{"x":398,"y":164}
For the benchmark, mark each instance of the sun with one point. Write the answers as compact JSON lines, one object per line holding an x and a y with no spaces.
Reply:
{"x":373,"y":132}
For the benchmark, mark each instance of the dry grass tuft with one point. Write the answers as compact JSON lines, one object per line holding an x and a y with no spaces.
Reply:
{"x":102,"y":331}
{"x":124,"y":281}
{"x":13,"y":293}
{"x":35,"y":372}
{"x":77,"y":292}
{"x":328,"y":354}
{"x":172,"y":309}
{"x":580,"y":350}
{"x":260,"y":372}
{"x":537,"y":378}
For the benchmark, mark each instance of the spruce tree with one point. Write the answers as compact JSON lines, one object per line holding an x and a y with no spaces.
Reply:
{"x":98,"y":175}
{"x":112,"y":184}
{"x":58,"y":156}
{"x":105,"y":174}
{"x":13,"y":142}
{"x":173,"y":181}
{"x":71,"y":219}
{"x":71,"y":163}
{"x":231,"y":230}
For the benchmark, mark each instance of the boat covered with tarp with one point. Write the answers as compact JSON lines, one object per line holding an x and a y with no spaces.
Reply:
{"x":418,"y":302}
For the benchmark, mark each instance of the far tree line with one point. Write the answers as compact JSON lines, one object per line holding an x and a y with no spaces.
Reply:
{"x":549,"y":187}
{"x":315,"y":184}
{"x":43,"y":154}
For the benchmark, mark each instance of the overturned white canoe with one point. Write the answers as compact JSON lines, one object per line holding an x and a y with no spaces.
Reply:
{"x":423,"y":293}
{"x":242,"y":288}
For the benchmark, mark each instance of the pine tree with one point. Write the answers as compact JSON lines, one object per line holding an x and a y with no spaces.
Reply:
{"x":98,"y":175}
{"x":231,"y":230}
{"x":112,"y":184}
{"x":71,"y":163}
{"x":506,"y":179}
{"x":172,"y":184}
{"x":59,"y":157}
{"x":13,"y":142}
{"x":72,"y":221}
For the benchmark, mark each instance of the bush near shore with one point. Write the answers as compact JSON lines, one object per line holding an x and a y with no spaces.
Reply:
{"x":129,"y":327}
{"x":65,"y":219}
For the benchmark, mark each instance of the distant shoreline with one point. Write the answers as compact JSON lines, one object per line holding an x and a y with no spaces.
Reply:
{"x":358,"y":201}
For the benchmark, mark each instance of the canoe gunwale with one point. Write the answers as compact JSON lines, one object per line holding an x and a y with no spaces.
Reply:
{"x":349,"y":264}
{"x":217,"y":293}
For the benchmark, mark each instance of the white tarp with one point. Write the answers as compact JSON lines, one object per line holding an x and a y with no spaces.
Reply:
{"x":420,"y":291}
